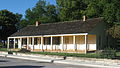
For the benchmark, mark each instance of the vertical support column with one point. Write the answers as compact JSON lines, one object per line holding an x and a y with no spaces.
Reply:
{"x":27,"y":42}
{"x":74,"y":43}
{"x":51,"y":42}
{"x":86,"y":40}
{"x":21,"y":42}
{"x":39,"y":42}
{"x":14,"y":44}
{"x":42,"y":42}
{"x":62,"y":43}
{"x":8,"y":45}
{"x":33,"y":43}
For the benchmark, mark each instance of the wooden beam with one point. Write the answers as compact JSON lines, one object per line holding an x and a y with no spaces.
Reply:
{"x":42,"y":42}
{"x":74,"y":42}
{"x":8,"y":45}
{"x":21,"y":42}
{"x":14,"y":44}
{"x":62,"y":43}
{"x":86,"y":40}
{"x":39,"y":42}
{"x":27,"y":42}
{"x":51,"y":42}
{"x":33,"y":42}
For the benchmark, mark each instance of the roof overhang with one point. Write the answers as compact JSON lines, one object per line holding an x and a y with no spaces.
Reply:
{"x":50,"y":35}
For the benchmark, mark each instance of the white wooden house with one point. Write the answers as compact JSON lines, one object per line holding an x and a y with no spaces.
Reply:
{"x":71,"y":36}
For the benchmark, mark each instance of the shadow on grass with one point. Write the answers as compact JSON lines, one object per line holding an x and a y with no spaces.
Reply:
{"x":117,"y":57}
{"x":43,"y":62}
{"x":4,"y":61}
{"x":21,"y":66}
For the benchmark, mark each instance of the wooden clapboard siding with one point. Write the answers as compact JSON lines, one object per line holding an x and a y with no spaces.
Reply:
{"x":91,"y":39}
{"x":80,"y":39}
{"x":68,"y":40}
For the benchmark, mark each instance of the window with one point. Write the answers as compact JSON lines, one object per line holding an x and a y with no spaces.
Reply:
{"x":30,"y":41}
{"x":47,"y":40}
{"x":39,"y":40}
{"x":56,"y":40}
{"x":35,"y":41}
{"x":24,"y":41}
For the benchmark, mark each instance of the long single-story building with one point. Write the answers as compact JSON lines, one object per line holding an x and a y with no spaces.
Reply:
{"x":79,"y":36}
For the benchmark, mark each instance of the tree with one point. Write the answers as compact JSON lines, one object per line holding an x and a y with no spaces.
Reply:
{"x":22,"y":23}
{"x":42,"y":12}
{"x":108,"y":9}
{"x":70,"y":9}
{"x":93,"y":9}
{"x":8,"y":22}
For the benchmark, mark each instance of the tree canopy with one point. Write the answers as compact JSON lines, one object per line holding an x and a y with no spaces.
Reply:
{"x":70,"y":9}
{"x":8,"y":22}
{"x":42,"y":12}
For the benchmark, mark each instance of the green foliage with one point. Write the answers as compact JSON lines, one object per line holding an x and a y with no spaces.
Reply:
{"x":114,"y":31}
{"x":23,"y":23}
{"x":42,"y":12}
{"x":8,"y":22}
{"x":3,"y":49}
{"x":70,"y":9}
{"x":103,"y":8}
{"x":10,"y":52}
{"x":89,"y":55}
{"x":23,"y":50}
{"x":108,"y":53}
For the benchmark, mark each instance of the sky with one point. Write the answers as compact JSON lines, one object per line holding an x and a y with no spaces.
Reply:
{"x":19,"y":6}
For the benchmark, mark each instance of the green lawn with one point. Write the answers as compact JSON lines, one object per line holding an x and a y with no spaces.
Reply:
{"x":3,"y":49}
{"x":118,"y":54}
{"x":88,"y":55}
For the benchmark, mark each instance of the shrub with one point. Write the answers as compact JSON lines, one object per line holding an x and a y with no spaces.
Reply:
{"x":23,"y":50}
{"x":10,"y":52}
{"x":108,"y":53}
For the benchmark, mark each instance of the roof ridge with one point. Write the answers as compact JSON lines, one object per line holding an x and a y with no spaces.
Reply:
{"x":70,"y":21}
{"x":67,"y":21}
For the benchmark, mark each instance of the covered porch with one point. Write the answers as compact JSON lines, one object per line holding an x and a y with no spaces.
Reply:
{"x":74,"y":43}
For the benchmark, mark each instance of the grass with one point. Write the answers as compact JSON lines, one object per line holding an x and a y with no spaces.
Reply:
{"x":118,"y":54}
{"x":88,"y":55}
{"x":3,"y":49}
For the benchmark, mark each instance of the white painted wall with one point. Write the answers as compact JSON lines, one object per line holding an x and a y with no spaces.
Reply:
{"x":92,"y":46}
{"x":36,"y":46}
{"x":64,"y":47}
{"x":80,"y":46}
{"x":31,"y":46}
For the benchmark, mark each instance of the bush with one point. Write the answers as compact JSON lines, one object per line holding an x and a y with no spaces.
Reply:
{"x":108,"y":53}
{"x":10,"y":52}
{"x":23,"y":50}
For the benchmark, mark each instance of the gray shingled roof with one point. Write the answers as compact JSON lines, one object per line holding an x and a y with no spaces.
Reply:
{"x":68,"y":27}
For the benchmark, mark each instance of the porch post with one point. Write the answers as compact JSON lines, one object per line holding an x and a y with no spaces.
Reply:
{"x":39,"y":42}
{"x":33,"y":42}
{"x":42,"y":42}
{"x":27,"y":42}
{"x":14,"y":44}
{"x":21,"y":42}
{"x":51,"y":42}
{"x":8,"y":44}
{"x":62,"y":43}
{"x":74,"y":42}
{"x":86,"y":40}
